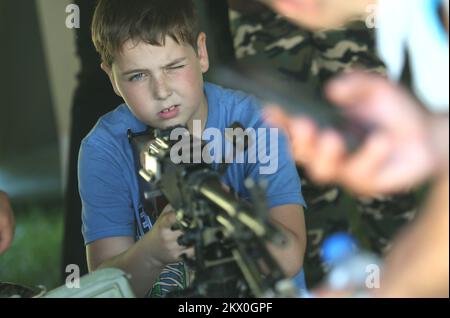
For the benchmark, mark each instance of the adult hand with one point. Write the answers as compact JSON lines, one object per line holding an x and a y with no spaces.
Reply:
{"x":397,"y":154}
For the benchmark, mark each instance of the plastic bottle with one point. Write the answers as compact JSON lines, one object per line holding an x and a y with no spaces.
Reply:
{"x":351,"y":270}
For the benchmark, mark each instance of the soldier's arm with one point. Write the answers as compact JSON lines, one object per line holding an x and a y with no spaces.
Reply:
{"x":418,"y":265}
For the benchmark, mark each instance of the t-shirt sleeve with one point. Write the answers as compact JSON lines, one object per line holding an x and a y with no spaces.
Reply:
{"x":107,"y":208}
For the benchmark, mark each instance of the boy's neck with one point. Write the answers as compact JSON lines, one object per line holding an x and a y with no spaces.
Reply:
{"x":200,"y":115}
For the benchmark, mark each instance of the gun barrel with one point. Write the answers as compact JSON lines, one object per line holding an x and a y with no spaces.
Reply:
{"x":212,"y":189}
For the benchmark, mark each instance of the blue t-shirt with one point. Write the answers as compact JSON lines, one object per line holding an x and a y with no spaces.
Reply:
{"x":108,"y":181}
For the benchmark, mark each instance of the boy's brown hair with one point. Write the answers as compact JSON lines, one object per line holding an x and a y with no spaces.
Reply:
{"x":150,"y":21}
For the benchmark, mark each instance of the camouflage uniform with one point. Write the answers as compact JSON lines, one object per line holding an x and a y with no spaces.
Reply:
{"x":315,"y":58}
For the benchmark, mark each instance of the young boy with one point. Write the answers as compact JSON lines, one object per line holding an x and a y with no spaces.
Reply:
{"x":155,"y":57}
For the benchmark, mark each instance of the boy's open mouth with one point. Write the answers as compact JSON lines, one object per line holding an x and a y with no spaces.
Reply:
{"x":170,"y":112}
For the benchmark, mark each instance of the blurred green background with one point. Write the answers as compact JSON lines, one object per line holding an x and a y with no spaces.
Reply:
{"x":35,"y":255}
{"x":34,"y":116}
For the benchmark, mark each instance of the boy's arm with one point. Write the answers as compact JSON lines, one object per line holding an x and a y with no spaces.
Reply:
{"x":109,"y":222}
{"x":291,"y":220}
{"x":132,"y":258}
{"x":283,"y":192}
{"x":123,"y":253}
{"x":143,"y":260}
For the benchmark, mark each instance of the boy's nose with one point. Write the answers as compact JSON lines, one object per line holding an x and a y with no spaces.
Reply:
{"x":161,"y":89}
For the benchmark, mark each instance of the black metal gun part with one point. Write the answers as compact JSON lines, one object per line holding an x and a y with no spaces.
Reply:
{"x":269,"y":86}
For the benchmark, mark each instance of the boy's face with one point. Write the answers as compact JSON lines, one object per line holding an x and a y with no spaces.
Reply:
{"x":321,"y":14}
{"x":162,"y":85}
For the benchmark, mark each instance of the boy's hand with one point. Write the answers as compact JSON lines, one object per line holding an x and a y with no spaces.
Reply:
{"x":163,"y":239}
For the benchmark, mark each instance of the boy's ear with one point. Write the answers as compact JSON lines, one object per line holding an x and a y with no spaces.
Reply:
{"x":107,"y":69}
{"x":202,"y":52}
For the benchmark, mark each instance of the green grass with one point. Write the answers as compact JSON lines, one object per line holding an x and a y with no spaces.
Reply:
{"x":35,"y":255}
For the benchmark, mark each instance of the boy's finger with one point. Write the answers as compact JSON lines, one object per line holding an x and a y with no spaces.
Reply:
{"x":188,"y":253}
{"x":168,"y":218}
{"x":167,"y":209}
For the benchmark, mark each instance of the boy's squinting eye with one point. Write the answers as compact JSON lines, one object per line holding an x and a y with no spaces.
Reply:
{"x":176,"y":67}
{"x":137,"y":77}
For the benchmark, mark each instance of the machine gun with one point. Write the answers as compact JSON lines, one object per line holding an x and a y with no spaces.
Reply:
{"x":229,"y":235}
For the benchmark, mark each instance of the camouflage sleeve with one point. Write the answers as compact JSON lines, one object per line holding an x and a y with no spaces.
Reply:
{"x":301,"y":54}
{"x":315,"y":58}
